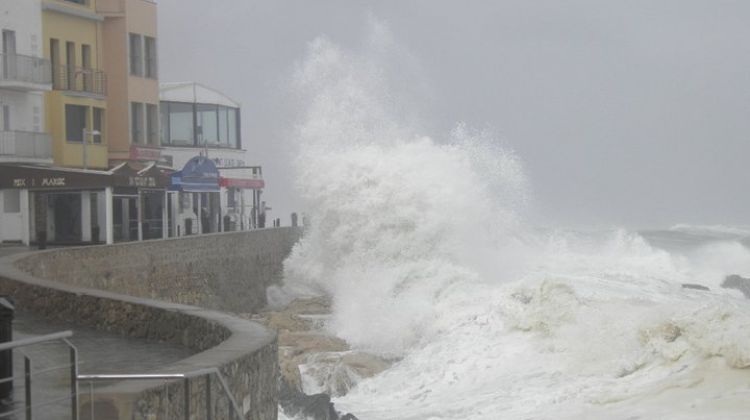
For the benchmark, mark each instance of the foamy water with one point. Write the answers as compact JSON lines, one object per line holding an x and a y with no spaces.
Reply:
{"x":425,"y":250}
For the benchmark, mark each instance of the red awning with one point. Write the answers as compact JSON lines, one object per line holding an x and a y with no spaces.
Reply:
{"x":250,"y":184}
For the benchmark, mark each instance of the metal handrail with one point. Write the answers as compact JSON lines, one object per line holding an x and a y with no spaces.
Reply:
{"x":79,"y":79}
{"x":25,"y":68}
{"x":180,"y":375}
{"x":28,"y":407}
{"x":35,"y":340}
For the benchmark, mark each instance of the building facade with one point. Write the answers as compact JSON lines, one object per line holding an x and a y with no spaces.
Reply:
{"x":197,"y":121}
{"x":76,"y":106}
{"x":24,"y":77}
{"x":131,"y":64}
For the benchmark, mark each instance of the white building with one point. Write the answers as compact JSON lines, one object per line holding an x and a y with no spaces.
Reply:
{"x":24,"y":76}
{"x":200,"y":122}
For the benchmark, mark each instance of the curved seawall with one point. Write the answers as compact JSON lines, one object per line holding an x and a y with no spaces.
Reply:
{"x":144,"y":290}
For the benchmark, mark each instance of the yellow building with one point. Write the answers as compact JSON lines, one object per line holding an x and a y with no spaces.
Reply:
{"x":76,"y":106}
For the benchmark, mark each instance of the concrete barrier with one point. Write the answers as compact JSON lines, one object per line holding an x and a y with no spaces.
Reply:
{"x":225,"y":271}
{"x":97,"y":287}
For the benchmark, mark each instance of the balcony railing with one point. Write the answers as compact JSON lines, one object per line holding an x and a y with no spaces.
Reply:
{"x":25,"y":144}
{"x":78,"y":79}
{"x":25,"y":69}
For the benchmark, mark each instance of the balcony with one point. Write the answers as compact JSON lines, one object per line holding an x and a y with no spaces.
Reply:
{"x":25,"y":146}
{"x":79,"y":80}
{"x":110,"y":7}
{"x":23,"y":72}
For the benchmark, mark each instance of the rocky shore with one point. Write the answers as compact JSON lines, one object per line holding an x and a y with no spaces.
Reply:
{"x":315,"y":366}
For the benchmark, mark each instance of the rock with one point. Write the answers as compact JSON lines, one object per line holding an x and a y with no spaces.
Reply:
{"x":313,"y":407}
{"x":740,"y":283}
{"x":694,"y":286}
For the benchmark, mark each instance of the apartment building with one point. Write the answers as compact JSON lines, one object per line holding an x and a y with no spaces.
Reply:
{"x":76,"y":106}
{"x":24,"y":77}
{"x":131,"y":63}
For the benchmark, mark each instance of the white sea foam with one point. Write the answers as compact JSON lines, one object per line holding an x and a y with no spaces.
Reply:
{"x":425,"y":251}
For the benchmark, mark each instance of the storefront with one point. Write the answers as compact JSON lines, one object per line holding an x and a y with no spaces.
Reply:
{"x":72,"y":206}
{"x":242,"y":188}
{"x":194,"y":202}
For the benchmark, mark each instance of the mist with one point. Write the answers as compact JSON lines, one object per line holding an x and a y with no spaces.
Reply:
{"x":624,"y":113}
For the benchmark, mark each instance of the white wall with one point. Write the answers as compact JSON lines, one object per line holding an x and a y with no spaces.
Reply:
{"x":25,"y":18}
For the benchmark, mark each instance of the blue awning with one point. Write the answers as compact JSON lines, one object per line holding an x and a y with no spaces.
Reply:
{"x":199,"y":175}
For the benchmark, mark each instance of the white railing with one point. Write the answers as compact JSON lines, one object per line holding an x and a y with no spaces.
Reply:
{"x":25,"y":144}
{"x":25,"y":69}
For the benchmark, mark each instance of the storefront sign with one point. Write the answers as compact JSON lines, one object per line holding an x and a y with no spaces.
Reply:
{"x":144,"y":153}
{"x":141,"y":181}
{"x":36,"y":177}
{"x":245,"y":183}
{"x":228,"y":162}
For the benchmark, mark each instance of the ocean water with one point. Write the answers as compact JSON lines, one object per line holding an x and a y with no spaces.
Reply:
{"x":426,"y":249}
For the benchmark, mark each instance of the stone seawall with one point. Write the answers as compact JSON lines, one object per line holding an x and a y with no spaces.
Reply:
{"x":226,"y":271}
{"x":142,"y":290}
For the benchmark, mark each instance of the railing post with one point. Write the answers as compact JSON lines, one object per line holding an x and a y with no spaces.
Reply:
{"x":74,"y":383}
{"x":209,"y":411}
{"x":27,"y":385}
{"x":91,"y":398}
{"x":186,"y":407}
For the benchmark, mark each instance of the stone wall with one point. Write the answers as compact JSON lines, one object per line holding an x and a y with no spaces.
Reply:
{"x":228,"y":271}
{"x":115,"y":288}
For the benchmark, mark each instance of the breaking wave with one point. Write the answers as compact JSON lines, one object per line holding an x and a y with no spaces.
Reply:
{"x":427,"y":253}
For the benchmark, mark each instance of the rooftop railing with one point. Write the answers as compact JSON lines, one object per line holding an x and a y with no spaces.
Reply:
{"x":25,"y":144}
{"x":79,"y":79}
{"x":25,"y":69}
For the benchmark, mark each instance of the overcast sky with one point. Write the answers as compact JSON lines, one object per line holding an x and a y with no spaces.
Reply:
{"x":633,"y":112}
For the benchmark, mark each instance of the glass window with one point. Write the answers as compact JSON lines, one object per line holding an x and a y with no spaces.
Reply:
{"x":5,"y":123}
{"x":152,"y":124}
{"x":224,"y":126}
{"x":233,"y":125}
{"x":136,"y":55}
{"x":164,"y":112}
{"x":75,"y":122}
{"x":136,"y":123}
{"x":98,"y":125}
{"x":12,"y":201}
{"x":181,"y":124}
{"x":150,"y":57}
{"x":207,"y":122}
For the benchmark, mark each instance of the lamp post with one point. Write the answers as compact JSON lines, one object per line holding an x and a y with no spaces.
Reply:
{"x":85,"y":156}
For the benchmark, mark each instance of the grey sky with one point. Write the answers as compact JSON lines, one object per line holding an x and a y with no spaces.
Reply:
{"x":629,"y":113}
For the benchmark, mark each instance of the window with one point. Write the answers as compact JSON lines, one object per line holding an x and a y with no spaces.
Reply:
{"x":77,"y":1}
{"x":181,"y":124}
{"x":136,"y":55}
{"x":88,"y":79}
{"x":207,"y":124}
{"x":164,"y":111}
{"x":233,"y":124}
{"x":136,"y":123}
{"x":54,"y":54}
{"x":12,"y":201}
{"x":5,"y":123}
{"x":75,"y":122}
{"x":232,"y":197}
{"x":152,"y":124}
{"x":150,"y":57}
{"x":98,"y":125}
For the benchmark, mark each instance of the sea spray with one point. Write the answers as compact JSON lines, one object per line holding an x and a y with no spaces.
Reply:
{"x":424,"y":248}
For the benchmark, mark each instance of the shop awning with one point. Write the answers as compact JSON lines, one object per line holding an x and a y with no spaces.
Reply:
{"x":56,"y":178}
{"x":198,"y":175}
